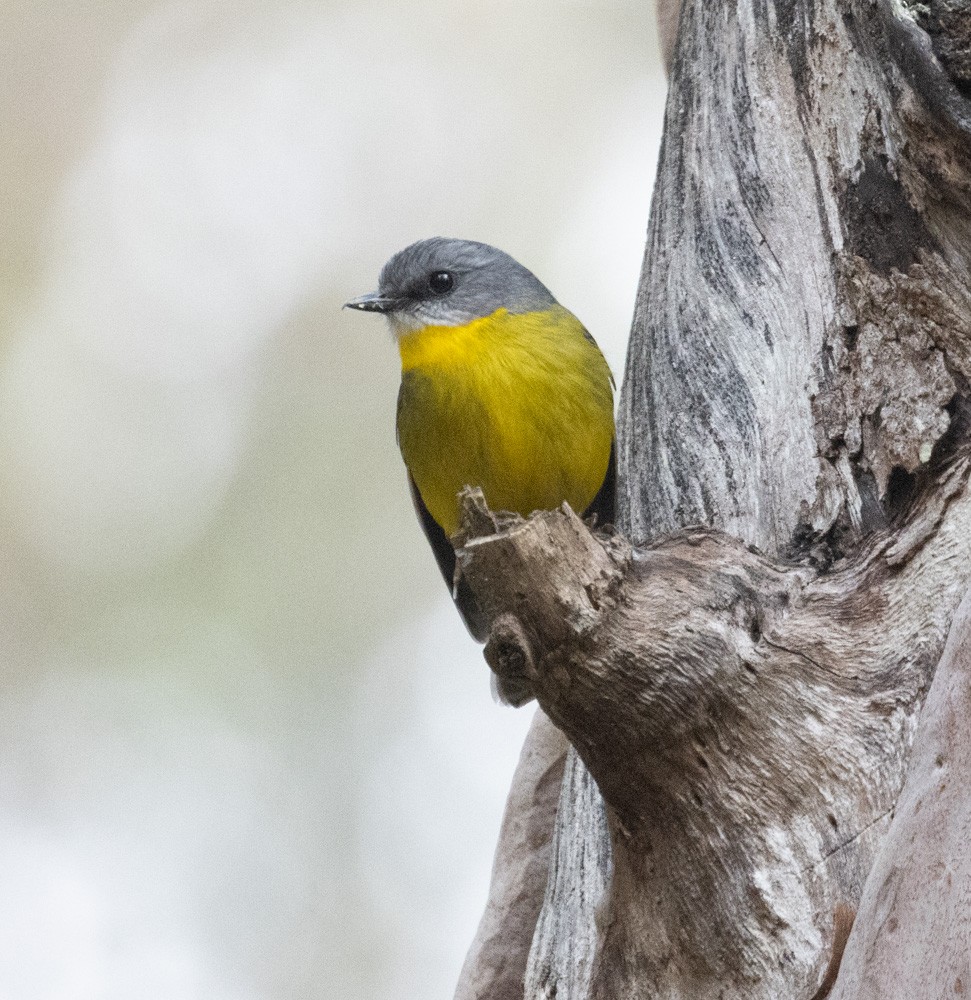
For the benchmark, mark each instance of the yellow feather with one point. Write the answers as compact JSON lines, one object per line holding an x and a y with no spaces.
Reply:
{"x":520,"y":405}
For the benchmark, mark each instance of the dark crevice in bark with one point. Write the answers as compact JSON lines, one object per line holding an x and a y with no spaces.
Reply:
{"x":948,"y":23}
{"x":881,"y":224}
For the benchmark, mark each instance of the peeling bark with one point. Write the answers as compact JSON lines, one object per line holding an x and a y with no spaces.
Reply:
{"x":745,"y":694}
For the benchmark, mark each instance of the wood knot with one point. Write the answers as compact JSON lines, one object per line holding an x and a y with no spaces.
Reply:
{"x":509,"y":655}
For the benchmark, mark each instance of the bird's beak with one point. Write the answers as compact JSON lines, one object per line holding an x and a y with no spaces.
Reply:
{"x":373,"y":302}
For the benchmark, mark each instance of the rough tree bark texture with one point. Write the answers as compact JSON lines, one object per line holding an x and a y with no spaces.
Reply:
{"x":495,"y":966}
{"x":914,"y":934}
{"x":797,"y":382}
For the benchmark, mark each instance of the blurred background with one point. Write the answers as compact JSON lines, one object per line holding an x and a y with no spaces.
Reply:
{"x":247,"y":751}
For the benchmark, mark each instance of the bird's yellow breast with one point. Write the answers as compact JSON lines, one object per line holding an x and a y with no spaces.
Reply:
{"x":520,"y":405}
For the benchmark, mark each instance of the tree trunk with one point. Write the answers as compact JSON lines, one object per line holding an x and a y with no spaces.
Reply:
{"x":743,"y":678}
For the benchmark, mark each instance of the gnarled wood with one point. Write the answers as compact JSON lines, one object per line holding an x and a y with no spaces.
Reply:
{"x":798,"y":380}
{"x":913,"y":938}
{"x":745,"y":721}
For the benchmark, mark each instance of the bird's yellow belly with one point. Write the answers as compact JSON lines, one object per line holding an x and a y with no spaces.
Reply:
{"x":520,"y":406}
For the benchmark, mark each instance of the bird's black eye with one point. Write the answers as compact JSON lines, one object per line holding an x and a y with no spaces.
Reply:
{"x":440,"y":282}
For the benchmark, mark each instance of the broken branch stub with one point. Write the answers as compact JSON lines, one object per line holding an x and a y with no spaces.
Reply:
{"x":746,"y":721}
{"x":504,"y":558}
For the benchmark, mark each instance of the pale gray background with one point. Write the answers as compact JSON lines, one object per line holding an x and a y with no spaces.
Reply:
{"x":247,"y":751}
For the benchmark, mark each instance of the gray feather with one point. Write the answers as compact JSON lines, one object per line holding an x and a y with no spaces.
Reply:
{"x":485,"y":279}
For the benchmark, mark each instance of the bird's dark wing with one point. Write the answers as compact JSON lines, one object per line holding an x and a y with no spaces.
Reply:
{"x":603,"y":503}
{"x":602,"y":506}
{"x":589,"y":336}
{"x":445,"y":557}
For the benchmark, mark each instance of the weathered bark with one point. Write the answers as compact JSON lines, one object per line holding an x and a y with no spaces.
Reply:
{"x":495,"y":966}
{"x":797,"y":381}
{"x":746,"y":722}
{"x":913,"y":935}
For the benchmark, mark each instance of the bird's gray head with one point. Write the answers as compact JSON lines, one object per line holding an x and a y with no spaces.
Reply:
{"x":444,"y":282}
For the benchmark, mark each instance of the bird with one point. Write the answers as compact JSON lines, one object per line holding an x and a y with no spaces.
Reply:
{"x":502,"y":388}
